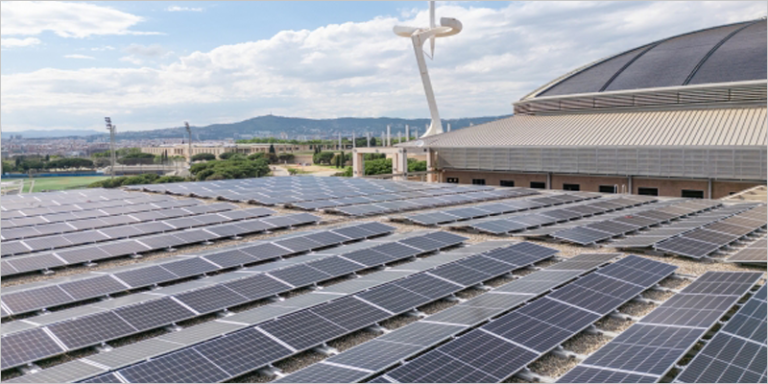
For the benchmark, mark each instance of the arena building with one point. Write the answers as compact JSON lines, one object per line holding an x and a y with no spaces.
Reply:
{"x":684,"y":116}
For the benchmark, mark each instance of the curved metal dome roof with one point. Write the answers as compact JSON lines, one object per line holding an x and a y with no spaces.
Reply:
{"x":728,"y":53}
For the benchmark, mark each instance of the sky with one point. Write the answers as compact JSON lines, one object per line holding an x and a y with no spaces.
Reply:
{"x":155,"y":64}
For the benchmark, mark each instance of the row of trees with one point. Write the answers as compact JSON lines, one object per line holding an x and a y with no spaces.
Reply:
{"x":378,"y":164}
{"x":24,"y":164}
{"x":147,"y":178}
{"x":235,"y":167}
{"x":319,"y":144}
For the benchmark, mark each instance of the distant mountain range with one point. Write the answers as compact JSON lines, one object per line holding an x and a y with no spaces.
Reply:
{"x":34,"y":134}
{"x":274,"y":126}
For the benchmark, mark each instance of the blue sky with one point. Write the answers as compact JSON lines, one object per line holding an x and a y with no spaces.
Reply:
{"x":65,"y":65}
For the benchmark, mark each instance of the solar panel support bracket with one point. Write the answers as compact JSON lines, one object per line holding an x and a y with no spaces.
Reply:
{"x":528,"y":375}
{"x":327,"y":350}
{"x":416,"y":313}
{"x":378,"y":329}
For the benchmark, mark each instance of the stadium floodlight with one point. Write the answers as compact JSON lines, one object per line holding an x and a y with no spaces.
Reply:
{"x":189,"y":132}
{"x":447,"y":27}
{"x":111,"y":128}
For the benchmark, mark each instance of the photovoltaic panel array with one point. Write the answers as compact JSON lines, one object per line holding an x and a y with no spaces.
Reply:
{"x":312,"y":192}
{"x":138,"y":205}
{"x":437,"y":199}
{"x":114,"y":221}
{"x":129,"y":230}
{"x":650,"y":348}
{"x":619,"y":226}
{"x":490,"y":209}
{"x":61,"y":198}
{"x":45,"y":261}
{"x":79,"y":209}
{"x":755,"y":253}
{"x":521,"y":222}
{"x":160,"y":311}
{"x":86,"y":369}
{"x":507,"y":344}
{"x":365,"y":360}
{"x":253,"y":348}
{"x":19,"y":300}
{"x":737,"y":353}
{"x":710,"y":238}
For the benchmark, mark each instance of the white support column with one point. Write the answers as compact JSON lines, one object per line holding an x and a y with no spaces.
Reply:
{"x":389,"y":136}
{"x":407,"y":133}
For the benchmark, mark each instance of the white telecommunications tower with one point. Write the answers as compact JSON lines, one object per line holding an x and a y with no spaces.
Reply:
{"x":447,"y":27}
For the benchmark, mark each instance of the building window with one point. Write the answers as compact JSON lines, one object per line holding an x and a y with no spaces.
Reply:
{"x":607,"y":189}
{"x":648,"y":191}
{"x":507,"y":183}
{"x":478,"y":181}
{"x":453,"y":180}
{"x":571,"y":187}
{"x":693,"y":194}
{"x":538,"y":185}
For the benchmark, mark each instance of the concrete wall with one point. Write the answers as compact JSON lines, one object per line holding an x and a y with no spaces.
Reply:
{"x":592,"y":183}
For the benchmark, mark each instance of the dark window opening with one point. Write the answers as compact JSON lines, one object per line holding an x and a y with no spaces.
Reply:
{"x":648,"y":191}
{"x":507,"y":183}
{"x":453,"y":180}
{"x":607,"y":189}
{"x":571,"y":187}
{"x":693,"y":194}
{"x":478,"y":181}
{"x":538,"y":185}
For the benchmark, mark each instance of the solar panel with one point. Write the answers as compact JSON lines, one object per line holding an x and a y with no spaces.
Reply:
{"x":582,"y":235}
{"x":334,"y":266}
{"x":651,"y":347}
{"x":93,"y":287}
{"x":22,"y":347}
{"x":153,"y":314}
{"x":754,"y":253}
{"x":507,"y":344}
{"x":145,"y":276}
{"x":89,"y":330}
{"x":687,"y":247}
{"x":257,"y":287}
{"x":162,"y":371}
{"x":211,"y":299}
{"x":20,"y":302}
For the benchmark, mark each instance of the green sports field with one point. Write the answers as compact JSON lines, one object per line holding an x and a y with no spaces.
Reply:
{"x":59,"y":183}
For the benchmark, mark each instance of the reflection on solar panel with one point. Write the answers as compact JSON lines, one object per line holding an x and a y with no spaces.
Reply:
{"x":298,"y":331}
{"x":99,"y":285}
{"x":109,"y":221}
{"x":92,"y":236}
{"x":41,"y":262}
{"x":737,"y":353}
{"x":507,"y":344}
{"x":649,"y":349}
{"x":507,"y":223}
{"x":755,"y":253}
{"x":365,"y":360}
{"x":81,"y":332}
{"x":483,"y":210}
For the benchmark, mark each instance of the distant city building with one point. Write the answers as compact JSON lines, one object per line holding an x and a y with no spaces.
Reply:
{"x":684,"y":116}
{"x":219,"y":148}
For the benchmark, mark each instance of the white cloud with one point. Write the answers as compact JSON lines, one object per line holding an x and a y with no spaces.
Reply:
{"x":13,"y":42}
{"x":65,"y":19}
{"x":176,"y":8}
{"x":78,"y":56}
{"x":361,"y":68}
{"x":104,"y":48}
{"x":153,"y":50}
{"x":132,"y":59}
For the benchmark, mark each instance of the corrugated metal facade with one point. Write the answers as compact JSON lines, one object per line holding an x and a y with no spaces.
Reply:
{"x":747,"y":163}
{"x":704,"y":127}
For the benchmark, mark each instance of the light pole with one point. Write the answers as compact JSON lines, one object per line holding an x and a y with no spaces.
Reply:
{"x":111,"y":128}
{"x":189,"y":132}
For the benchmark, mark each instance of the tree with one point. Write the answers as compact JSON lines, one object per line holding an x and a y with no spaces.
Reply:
{"x":378,"y":167}
{"x":286,"y":157}
{"x":47,"y":158}
{"x":323,"y":158}
{"x":417,"y":166}
{"x":227,"y":155}
{"x":257,"y":156}
{"x":203,"y":157}
{"x":272,"y":149}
